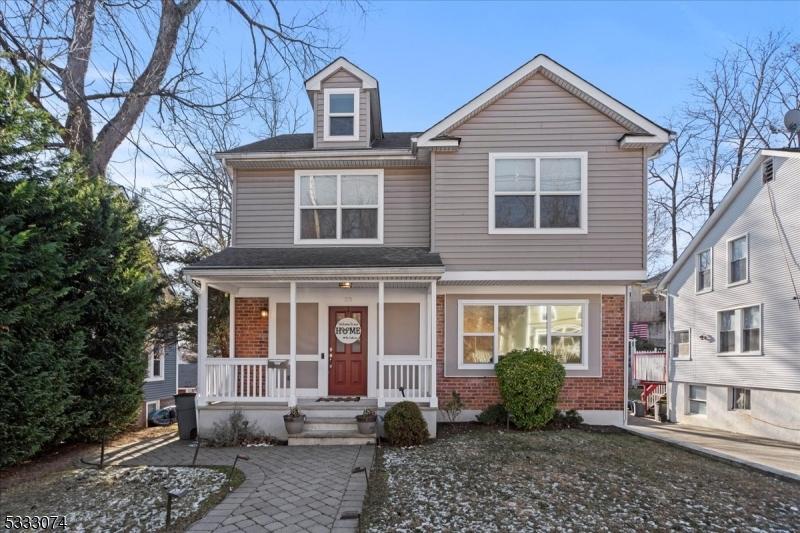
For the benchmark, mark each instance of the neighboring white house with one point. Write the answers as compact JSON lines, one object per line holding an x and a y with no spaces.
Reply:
{"x":733,"y":311}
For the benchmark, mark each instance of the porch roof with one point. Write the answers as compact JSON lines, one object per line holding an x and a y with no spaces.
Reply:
{"x":320,"y":262}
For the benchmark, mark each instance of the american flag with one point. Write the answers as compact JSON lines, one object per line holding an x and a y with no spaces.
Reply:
{"x":639,"y":330}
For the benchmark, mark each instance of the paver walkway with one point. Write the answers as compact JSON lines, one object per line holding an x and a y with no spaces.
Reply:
{"x":773,"y":456}
{"x":287,"y":489}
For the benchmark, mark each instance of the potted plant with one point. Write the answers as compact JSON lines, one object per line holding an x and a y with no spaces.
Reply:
{"x":366,"y":421}
{"x":294,"y":421}
{"x":661,"y":409}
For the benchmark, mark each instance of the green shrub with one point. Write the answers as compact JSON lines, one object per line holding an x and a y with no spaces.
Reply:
{"x":235,"y":430}
{"x":494,"y":415}
{"x":570,"y":419}
{"x":404,"y":425}
{"x":530,"y":381}
{"x":452,"y":408}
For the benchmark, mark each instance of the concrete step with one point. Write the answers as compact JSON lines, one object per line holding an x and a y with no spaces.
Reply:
{"x":331,"y":438}
{"x":328,"y":423}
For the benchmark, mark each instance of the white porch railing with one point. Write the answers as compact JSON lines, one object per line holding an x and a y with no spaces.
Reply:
{"x":246,"y":379}
{"x":650,"y":366}
{"x":414,"y":376}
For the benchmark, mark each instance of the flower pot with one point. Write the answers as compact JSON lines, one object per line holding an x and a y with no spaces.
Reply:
{"x":366,"y":424}
{"x":294,"y":424}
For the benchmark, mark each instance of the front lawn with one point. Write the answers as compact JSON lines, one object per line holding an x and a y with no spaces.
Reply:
{"x":120,"y":498}
{"x":484,"y":480}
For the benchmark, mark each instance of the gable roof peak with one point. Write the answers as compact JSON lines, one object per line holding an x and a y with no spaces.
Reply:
{"x":314,"y":83}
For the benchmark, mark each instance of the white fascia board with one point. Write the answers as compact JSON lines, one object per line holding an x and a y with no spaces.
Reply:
{"x":439,"y":143}
{"x":372,"y":154}
{"x":324,"y":274}
{"x":542,"y":61}
{"x":711,"y":221}
{"x":314,"y":83}
{"x":545,"y":275}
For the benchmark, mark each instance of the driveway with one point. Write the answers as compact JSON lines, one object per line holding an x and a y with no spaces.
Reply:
{"x":298,"y":488}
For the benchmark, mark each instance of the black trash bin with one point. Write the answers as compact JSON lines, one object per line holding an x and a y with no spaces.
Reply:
{"x":187,"y":416}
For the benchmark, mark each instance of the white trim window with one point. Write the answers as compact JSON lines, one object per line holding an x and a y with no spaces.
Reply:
{"x":740,"y":399}
{"x":538,"y":192}
{"x":697,"y":400}
{"x":704,"y":271}
{"x":738,"y":260}
{"x":739,"y":331}
{"x":682,"y":344}
{"x":341,"y":110}
{"x":155,"y":363}
{"x":488,"y":329}
{"x":338,"y":207}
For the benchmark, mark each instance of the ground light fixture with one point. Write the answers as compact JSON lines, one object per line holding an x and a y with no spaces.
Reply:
{"x":235,"y":460}
{"x":172,"y":493}
{"x":345,"y":285}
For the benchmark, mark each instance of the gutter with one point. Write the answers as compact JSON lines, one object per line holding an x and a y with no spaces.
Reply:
{"x":401,"y":153}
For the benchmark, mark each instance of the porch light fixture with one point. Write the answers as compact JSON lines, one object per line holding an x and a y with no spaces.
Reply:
{"x":264,"y":312}
{"x":345,"y":285}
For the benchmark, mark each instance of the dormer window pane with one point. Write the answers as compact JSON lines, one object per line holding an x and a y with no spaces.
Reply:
{"x":341,"y":126}
{"x":341,"y":103}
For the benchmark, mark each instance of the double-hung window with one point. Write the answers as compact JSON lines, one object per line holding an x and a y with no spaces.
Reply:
{"x":341,"y":114}
{"x":538,"y":192}
{"x":155,"y":364}
{"x":738,"y":260}
{"x":339,"y":207}
{"x":739,"y":331}
{"x":681,"y":344}
{"x":697,"y":400}
{"x":490,"y":329}
{"x":703,"y":270}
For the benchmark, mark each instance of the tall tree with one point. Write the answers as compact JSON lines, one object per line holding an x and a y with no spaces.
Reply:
{"x":102,"y":62}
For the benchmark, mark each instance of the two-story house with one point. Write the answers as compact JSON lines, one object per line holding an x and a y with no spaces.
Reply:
{"x":383,"y":265}
{"x":733,"y":309}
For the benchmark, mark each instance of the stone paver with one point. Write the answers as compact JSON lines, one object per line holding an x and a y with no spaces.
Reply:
{"x":291,"y":489}
{"x":772,"y":456}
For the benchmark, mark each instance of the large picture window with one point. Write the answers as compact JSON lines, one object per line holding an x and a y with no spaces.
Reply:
{"x":537,"y":193}
{"x":488,"y":330}
{"x":338,"y":207}
{"x":739,"y":331}
{"x":341,"y":114}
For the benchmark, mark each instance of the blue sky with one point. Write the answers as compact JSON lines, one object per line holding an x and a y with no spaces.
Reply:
{"x":431,"y":57}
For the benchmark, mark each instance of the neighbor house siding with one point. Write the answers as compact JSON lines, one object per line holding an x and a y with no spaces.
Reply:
{"x":264,"y":213}
{"x":770,"y":285}
{"x":341,"y":79}
{"x":539,"y":116}
{"x":165,"y":389}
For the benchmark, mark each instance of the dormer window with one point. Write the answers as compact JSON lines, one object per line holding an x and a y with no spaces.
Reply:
{"x":341,"y":114}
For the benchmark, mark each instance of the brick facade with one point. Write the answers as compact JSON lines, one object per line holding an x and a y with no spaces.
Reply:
{"x":251,"y":329}
{"x":603,"y":393}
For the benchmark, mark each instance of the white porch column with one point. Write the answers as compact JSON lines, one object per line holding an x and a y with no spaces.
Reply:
{"x":381,"y":341}
{"x":202,"y":342}
{"x":231,"y":325}
{"x":292,"y":344}
{"x":432,"y":345}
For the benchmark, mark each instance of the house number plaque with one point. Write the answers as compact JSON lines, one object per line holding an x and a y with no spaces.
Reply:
{"x":347,"y":330}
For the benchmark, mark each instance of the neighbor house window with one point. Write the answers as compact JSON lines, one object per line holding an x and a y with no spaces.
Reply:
{"x":339,"y":207}
{"x":703,"y":271}
{"x":537,"y":193}
{"x":697,"y":400}
{"x":740,"y":330}
{"x":488,"y":330}
{"x":681,"y":343}
{"x":738,"y":258}
{"x":341,"y":114}
{"x":155,"y":364}
{"x":740,"y":399}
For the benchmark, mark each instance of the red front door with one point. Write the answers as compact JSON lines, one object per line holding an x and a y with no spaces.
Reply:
{"x":347,"y":351}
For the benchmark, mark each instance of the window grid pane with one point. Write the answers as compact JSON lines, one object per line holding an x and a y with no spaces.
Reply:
{"x":560,"y":175}
{"x":515,"y":175}
{"x":727,"y":334}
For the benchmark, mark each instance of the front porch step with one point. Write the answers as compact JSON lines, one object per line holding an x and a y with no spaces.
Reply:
{"x":331,"y":438}
{"x":331,"y":423}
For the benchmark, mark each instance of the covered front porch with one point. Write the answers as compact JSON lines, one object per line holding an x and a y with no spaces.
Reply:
{"x":329,"y":337}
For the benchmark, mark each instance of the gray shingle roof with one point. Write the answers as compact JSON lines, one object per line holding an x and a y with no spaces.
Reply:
{"x":299,"y":142}
{"x":328,"y":257}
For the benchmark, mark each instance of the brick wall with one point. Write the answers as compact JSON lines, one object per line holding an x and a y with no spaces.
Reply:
{"x":252,"y":335}
{"x":603,"y":393}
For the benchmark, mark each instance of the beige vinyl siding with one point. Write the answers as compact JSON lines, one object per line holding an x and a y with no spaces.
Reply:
{"x":769,"y":285}
{"x":539,"y":116}
{"x":341,"y":79}
{"x":264,"y":214}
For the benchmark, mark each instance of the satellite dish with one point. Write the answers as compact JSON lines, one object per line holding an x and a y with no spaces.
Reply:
{"x":792,"y":120}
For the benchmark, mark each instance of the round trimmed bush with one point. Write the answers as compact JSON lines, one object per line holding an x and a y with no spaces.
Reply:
{"x":530,"y":381}
{"x":404,"y":425}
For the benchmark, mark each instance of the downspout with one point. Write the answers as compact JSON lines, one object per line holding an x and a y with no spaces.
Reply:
{"x":627,"y":355}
